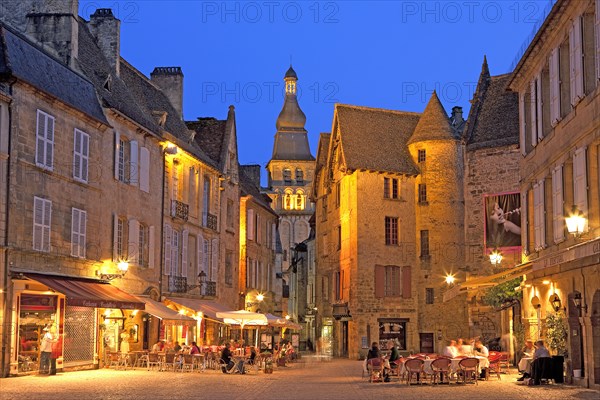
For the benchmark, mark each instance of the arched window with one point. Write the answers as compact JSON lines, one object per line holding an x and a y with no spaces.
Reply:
{"x":300,"y":200}
{"x":299,"y":177}
{"x":288,"y":200}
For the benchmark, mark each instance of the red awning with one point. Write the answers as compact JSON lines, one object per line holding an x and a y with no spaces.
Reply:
{"x":88,"y":292}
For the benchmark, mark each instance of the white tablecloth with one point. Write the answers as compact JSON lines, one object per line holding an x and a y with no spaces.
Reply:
{"x":525,"y":364}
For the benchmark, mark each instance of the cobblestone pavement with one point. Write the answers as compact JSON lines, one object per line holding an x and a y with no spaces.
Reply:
{"x":308,"y":379}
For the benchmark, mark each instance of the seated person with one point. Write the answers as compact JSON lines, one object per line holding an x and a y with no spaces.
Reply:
{"x":394,"y":353}
{"x":252,"y":355}
{"x":464,"y":349}
{"x":194,"y":349}
{"x":176,"y":347}
{"x":480,"y":350}
{"x":540,"y":350}
{"x":528,"y":349}
{"x":450,"y":351}
{"x":374,"y":351}
{"x":226,"y":357}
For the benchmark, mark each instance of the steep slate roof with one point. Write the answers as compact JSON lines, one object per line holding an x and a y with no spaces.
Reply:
{"x":210,"y":135}
{"x":24,"y":60}
{"x":323,"y":148}
{"x":434,"y":123}
{"x":376,"y":139}
{"x":494,"y":116}
{"x":95,"y":66}
{"x":248,"y":188}
{"x":150,"y":98}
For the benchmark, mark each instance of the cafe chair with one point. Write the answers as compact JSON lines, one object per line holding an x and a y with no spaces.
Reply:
{"x":153,"y":361}
{"x":494,"y":359}
{"x":504,"y":363}
{"x":223,"y":366}
{"x":188,"y":363}
{"x":375,"y":368}
{"x":414,"y":367}
{"x":441,"y":369}
{"x":469,"y":368}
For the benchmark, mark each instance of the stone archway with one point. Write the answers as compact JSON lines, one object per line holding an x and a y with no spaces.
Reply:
{"x":595,"y":319}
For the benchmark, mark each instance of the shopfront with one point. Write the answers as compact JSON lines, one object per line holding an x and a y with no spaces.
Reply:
{"x":69,"y":305}
{"x":210,"y":329}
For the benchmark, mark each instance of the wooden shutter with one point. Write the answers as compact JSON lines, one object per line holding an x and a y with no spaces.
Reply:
{"x":525,"y":220}
{"x":406,"y":282}
{"x":558,"y":204}
{"x":539,"y":107}
{"x":533,"y":111}
{"x":38,"y":223}
{"x":151,"y":247}
{"x":554,"y":87}
{"x":115,"y":238}
{"x":575,"y":61}
{"x":167,"y":249}
{"x":258,"y":228}
{"x":580,"y":181}
{"x":75,"y":232}
{"x":133,"y":163}
{"x":144,"y":169}
{"x":273,"y":236}
{"x":40,"y":135}
{"x":379,"y":281}
{"x":199,"y":253}
{"x":49,"y":142}
{"x":117,"y":149}
{"x":184,"y":253}
{"x":538,"y":217}
{"x":77,"y":154}
{"x":250,"y":224}
{"x":522,"y":125}
{"x":215,"y":259}
{"x":133,"y":244}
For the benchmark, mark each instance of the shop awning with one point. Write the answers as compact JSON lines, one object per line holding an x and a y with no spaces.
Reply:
{"x":88,"y":292}
{"x":207,"y":307}
{"x":166,"y":314}
{"x":489,"y":281}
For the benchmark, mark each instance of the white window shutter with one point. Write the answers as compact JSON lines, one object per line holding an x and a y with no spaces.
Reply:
{"x":558,"y":205}
{"x":151,"y":247}
{"x":597,"y":29}
{"x":175,"y":246}
{"x":117,"y":149}
{"x":49,"y":142}
{"x":75,"y":232}
{"x":47,"y":226}
{"x":40,"y":136}
{"x":133,"y":163}
{"x":145,"y":169}
{"x":167,"y":249}
{"x":38,"y":223}
{"x":115,"y":238}
{"x":215,"y":259}
{"x":554,"y":87}
{"x":250,"y":224}
{"x":77,"y":154}
{"x":575,"y":61}
{"x":273,"y":236}
{"x":133,"y":243}
{"x":538,"y":217}
{"x":200,"y":251}
{"x":522,"y":126}
{"x":539,"y":106}
{"x":525,"y":220}
{"x":533,"y":110}
{"x":580,"y":182}
{"x":206,"y":259}
{"x":184,"y":253}
{"x":258,"y":230}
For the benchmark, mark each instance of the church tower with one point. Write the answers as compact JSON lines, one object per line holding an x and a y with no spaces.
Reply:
{"x":291,"y":171}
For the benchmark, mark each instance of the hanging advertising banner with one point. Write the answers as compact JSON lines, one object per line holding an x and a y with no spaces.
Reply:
{"x":502,"y":221}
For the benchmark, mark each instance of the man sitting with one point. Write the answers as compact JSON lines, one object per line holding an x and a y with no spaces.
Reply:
{"x":450,"y":351}
{"x":524,"y":366}
{"x":226,"y":357}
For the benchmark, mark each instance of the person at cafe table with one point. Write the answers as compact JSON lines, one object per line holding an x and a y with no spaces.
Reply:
{"x":479,"y":350}
{"x":451,"y":351}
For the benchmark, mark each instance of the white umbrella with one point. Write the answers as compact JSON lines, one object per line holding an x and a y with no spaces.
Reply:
{"x":243,"y":318}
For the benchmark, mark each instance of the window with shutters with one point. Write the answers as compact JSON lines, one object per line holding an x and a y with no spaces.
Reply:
{"x":424,"y":243}
{"x":229,"y":268}
{"x":392,"y":281}
{"x":230,"y":213}
{"x":553,"y":70}
{"x":588,"y":50}
{"x":545,"y":102}
{"x":258,"y":228}
{"x":81,"y":148}
{"x":175,"y":184}
{"x":143,"y":245}
{"x":527,"y":108}
{"x":250,"y":221}
{"x":576,"y":61}
{"x":429,"y":296}
{"x":564,"y":79}
{"x":193,"y":192}
{"x":558,"y":221}
{"x":422,"y":193}
{"x":539,"y":216}
{"x":42,"y":215}
{"x":78,"y":228}
{"x":206,"y":200}
{"x":44,"y":143}
{"x":391,"y":231}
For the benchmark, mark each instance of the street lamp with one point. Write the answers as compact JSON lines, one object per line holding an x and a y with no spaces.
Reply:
{"x":450,"y":279}
{"x":122,"y":266}
{"x":495,"y":257}
{"x":576,"y":222}
{"x":577,"y":300}
{"x":556,"y":303}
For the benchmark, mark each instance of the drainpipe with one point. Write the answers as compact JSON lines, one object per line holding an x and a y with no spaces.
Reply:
{"x":162,"y":227}
{"x":6,"y":296}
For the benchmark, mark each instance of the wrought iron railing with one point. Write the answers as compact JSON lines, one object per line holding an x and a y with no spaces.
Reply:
{"x":179,"y":210}
{"x":177,"y":284}
{"x":211,"y":222}
{"x":209,"y":289}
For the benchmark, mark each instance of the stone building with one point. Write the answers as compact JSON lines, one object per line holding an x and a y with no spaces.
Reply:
{"x":258,"y":237}
{"x":291,"y":171}
{"x":557,"y":83}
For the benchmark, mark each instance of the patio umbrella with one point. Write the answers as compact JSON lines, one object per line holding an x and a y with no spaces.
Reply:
{"x":242,"y":318}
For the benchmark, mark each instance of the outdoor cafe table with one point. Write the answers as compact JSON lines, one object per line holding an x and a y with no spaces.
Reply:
{"x":525,"y":364}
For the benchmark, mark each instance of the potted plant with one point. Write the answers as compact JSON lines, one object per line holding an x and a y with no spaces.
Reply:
{"x":556,"y":333}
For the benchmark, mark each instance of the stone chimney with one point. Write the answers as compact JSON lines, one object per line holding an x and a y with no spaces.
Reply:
{"x":170,"y":81}
{"x":107,"y":31}
{"x":52,"y":24}
{"x":253,"y":173}
{"x":457,"y":115}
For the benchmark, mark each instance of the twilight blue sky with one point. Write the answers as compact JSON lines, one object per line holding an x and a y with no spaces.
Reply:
{"x":379,"y":54}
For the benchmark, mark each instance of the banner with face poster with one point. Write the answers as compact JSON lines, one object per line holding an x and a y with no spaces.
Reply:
{"x":503,"y":221}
